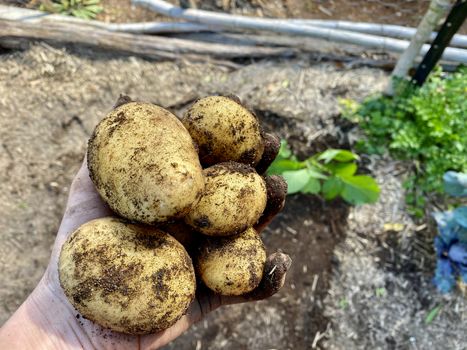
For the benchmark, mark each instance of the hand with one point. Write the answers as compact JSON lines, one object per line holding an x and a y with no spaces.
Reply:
{"x":47,"y":319}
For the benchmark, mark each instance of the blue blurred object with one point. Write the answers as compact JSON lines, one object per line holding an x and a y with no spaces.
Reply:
{"x":458,"y":253}
{"x":455,"y":184}
{"x":451,"y":242}
{"x":444,"y":276}
{"x":460,"y":215}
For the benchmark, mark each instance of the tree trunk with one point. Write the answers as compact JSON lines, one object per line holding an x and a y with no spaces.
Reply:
{"x":437,"y":11}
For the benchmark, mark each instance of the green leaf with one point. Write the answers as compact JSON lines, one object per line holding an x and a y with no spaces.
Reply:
{"x":315,"y":172}
{"x":313,"y":186}
{"x":359,"y":189}
{"x":280,"y":165}
{"x":332,"y":187}
{"x":284,"y":150}
{"x":80,"y":13}
{"x":94,"y":8}
{"x":339,"y":155}
{"x":296,"y":180}
{"x":432,"y":314}
{"x":342,"y":169}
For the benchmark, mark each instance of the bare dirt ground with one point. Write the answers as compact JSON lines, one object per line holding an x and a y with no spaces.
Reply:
{"x":354,"y":284}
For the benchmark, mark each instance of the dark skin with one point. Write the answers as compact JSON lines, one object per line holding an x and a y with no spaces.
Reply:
{"x":47,"y":319}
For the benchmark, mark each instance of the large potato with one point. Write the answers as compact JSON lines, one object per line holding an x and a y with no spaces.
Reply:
{"x":129,"y":278}
{"x":224,"y":131}
{"x":144,"y":164}
{"x":234,"y":199}
{"x":232,"y":265}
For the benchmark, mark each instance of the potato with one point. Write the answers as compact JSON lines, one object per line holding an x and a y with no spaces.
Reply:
{"x":224,"y":131}
{"x":232,"y":265}
{"x":144,"y":164}
{"x":234,"y":199}
{"x":129,"y":278}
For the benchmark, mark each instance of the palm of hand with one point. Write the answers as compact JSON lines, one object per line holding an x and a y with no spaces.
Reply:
{"x":57,"y":321}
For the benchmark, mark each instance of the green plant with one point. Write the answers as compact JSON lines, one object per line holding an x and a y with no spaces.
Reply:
{"x":86,"y":9}
{"x":426,"y":125}
{"x":331,"y":173}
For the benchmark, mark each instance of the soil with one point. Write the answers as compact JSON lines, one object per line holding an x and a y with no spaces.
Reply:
{"x":353,"y":283}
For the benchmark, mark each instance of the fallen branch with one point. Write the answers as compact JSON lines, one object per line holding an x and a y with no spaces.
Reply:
{"x":149,"y":46}
{"x":237,"y":22}
{"x":33,"y":16}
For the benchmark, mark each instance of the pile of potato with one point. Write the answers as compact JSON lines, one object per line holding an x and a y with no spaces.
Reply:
{"x":184,"y":190}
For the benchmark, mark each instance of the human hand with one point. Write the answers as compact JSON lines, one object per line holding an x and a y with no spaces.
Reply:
{"x":48,"y":320}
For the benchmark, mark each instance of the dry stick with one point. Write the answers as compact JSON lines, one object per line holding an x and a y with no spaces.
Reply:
{"x":236,"y":22}
{"x":34,"y":16}
{"x":150,"y":46}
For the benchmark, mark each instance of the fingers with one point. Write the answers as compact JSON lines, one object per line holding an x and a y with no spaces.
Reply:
{"x":275,"y":271}
{"x":271,"y":149}
{"x":276,"y":192}
{"x":83,"y":199}
{"x":84,"y":204}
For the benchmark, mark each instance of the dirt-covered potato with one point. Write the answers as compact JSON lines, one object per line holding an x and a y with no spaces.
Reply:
{"x":144,"y":164}
{"x":232,"y":265}
{"x":234,"y":199}
{"x":129,"y":278}
{"x":224,"y":131}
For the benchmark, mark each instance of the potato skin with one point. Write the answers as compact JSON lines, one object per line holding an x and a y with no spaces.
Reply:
{"x":234,"y":198}
{"x":232,"y":265}
{"x":129,"y":278}
{"x":224,"y":131}
{"x":144,"y":164}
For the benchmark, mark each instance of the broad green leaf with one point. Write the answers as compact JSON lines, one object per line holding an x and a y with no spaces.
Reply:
{"x":296,"y":180}
{"x":342,"y":169}
{"x":280,"y":165}
{"x":313,"y":186}
{"x":315,"y":172}
{"x":339,"y":155}
{"x":359,"y":189}
{"x":332,"y":187}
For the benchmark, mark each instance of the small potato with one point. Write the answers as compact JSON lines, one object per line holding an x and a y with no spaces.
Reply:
{"x":144,"y":164}
{"x":224,"y":131}
{"x":129,"y":278}
{"x":232,"y":265}
{"x":234,"y":199}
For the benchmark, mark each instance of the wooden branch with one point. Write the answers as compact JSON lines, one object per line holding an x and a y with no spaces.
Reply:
{"x":274,"y":25}
{"x":149,"y":46}
{"x":34,"y":16}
